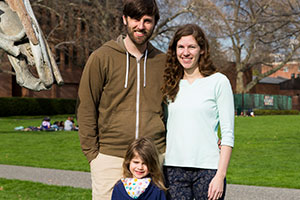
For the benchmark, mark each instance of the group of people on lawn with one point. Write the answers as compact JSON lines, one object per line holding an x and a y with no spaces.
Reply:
{"x":148,"y":121}
{"x":46,"y":125}
{"x":68,"y":125}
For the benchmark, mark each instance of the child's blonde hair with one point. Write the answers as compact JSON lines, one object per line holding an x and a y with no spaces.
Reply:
{"x":148,"y":152}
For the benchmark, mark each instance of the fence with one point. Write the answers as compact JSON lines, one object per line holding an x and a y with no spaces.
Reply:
{"x":261,"y":101}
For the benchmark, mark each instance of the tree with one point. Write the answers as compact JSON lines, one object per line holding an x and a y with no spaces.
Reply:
{"x":257,"y":30}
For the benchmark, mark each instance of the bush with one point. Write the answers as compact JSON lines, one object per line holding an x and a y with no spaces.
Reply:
{"x":276,"y":112}
{"x":12,"y":106}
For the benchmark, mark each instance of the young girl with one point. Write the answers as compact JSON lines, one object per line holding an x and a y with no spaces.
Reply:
{"x":142,"y":175}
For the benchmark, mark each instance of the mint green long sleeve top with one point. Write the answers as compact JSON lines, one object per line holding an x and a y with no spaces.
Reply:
{"x":193,"y":120}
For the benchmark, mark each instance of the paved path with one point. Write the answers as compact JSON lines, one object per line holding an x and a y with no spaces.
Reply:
{"x":83,"y":180}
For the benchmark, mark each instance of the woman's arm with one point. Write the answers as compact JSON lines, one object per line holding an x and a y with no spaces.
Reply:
{"x":224,"y":99}
{"x":216,"y":186}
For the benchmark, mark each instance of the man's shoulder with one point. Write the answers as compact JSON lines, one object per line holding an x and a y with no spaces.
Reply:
{"x":108,"y":48}
{"x":157,"y":56}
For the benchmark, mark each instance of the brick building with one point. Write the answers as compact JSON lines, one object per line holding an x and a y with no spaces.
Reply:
{"x":290,"y":70}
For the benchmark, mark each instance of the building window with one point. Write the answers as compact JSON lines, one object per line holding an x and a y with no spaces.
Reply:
{"x":292,"y":75}
{"x":285,"y":69}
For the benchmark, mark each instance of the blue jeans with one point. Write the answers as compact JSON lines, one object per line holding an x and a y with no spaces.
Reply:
{"x":186,"y":183}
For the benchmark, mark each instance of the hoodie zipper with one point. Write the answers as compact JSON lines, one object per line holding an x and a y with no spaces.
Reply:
{"x":138,"y":87}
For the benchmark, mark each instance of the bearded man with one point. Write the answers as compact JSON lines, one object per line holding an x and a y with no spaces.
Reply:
{"x":119,"y":97}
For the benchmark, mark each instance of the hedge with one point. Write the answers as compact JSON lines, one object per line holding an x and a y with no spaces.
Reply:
{"x":276,"y":112}
{"x":12,"y":106}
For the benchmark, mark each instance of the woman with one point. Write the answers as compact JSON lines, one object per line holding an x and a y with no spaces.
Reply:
{"x":199,"y":99}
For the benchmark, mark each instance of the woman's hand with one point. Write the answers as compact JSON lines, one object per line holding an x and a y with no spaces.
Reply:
{"x":216,"y":188}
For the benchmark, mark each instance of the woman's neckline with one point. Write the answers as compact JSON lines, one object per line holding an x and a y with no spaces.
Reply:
{"x":197,"y":79}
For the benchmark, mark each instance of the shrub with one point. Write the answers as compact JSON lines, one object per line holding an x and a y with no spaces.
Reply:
{"x":276,"y":112}
{"x":12,"y":106}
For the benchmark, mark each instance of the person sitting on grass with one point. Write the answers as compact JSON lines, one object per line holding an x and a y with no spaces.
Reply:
{"x":69,"y":124}
{"x":46,"y":124}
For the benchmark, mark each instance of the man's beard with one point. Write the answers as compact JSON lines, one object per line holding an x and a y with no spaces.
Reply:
{"x":140,"y":40}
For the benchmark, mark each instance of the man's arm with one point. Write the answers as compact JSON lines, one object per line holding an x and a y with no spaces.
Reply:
{"x":89,"y":95}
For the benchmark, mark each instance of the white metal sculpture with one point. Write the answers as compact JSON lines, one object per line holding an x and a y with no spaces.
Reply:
{"x":23,"y":41}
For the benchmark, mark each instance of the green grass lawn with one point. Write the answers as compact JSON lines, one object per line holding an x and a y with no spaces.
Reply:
{"x":266,"y":152}
{"x":15,"y":189}
{"x":57,"y":149}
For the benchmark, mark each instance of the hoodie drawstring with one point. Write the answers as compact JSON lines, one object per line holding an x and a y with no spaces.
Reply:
{"x":145,"y":66}
{"x":127,"y":68}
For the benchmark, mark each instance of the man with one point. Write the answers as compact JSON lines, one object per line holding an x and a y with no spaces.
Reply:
{"x":120,"y":98}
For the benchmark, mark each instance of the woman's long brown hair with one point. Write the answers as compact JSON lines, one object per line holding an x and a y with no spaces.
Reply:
{"x":174,"y":71}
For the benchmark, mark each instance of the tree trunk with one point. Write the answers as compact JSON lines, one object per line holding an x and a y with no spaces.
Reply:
{"x":239,"y":83}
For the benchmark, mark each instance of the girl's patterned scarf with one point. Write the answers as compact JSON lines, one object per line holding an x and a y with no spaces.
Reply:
{"x":135,"y":187}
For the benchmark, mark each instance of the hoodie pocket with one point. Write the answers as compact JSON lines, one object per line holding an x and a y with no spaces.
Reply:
{"x":120,"y":127}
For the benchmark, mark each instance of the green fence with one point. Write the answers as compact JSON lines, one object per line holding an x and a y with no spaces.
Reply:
{"x":262,"y":101}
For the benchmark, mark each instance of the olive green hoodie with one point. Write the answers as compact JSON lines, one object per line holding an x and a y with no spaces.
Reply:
{"x":120,"y":100}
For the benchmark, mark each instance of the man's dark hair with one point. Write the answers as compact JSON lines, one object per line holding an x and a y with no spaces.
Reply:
{"x":136,"y":9}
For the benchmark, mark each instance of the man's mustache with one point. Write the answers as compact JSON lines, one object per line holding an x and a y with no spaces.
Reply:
{"x":139,"y":30}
